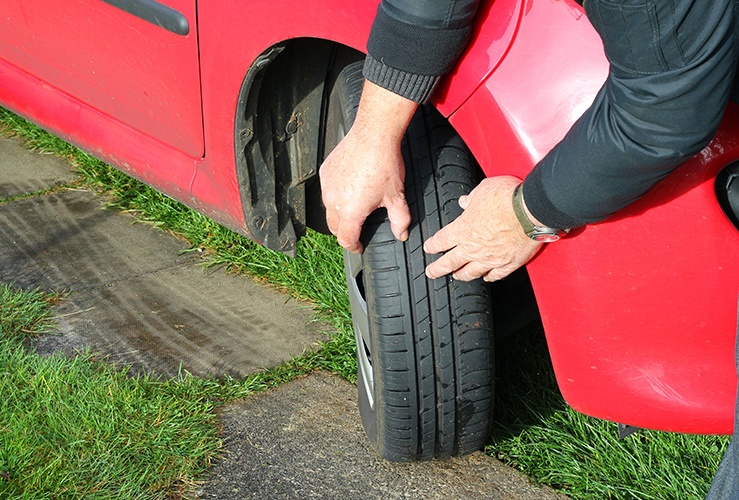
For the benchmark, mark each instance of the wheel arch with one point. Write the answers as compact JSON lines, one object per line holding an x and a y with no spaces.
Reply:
{"x":281,"y":126}
{"x":279,"y":132}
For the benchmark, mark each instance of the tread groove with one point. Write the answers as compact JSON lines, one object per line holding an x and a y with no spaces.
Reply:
{"x":431,"y":341}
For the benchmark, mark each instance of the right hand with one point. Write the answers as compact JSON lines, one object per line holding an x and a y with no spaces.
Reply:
{"x":366,"y":170}
{"x":360,"y":175}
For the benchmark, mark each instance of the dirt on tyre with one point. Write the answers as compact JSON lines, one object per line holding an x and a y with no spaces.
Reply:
{"x":424,"y":347}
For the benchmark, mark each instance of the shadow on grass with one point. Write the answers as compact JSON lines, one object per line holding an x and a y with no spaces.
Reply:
{"x":526,"y":388}
{"x":535,"y":431}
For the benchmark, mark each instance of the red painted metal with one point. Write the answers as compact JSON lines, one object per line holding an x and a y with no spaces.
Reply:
{"x":123,"y":66}
{"x":639,"y":311}
{"x":495,"y":27}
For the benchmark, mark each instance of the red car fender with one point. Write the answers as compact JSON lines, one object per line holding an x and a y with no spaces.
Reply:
{"x":226,"y":56}
{"x":639,"y":311}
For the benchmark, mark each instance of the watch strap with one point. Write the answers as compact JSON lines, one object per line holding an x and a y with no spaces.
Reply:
{"x":538,"y":233}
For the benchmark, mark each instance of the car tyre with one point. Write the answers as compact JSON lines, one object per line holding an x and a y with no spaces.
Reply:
{"x":424,"y":347}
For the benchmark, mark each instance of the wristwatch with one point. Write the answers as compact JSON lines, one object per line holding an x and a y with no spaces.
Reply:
{"x":542,"y":234}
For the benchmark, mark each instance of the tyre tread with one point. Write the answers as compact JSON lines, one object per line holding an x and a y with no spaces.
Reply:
{"x":433,"y":346}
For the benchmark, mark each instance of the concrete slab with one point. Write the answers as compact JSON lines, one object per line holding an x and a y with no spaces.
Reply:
{"x":136,"y":297}
{"x":21,"y":171}
{"x":304,"y":440}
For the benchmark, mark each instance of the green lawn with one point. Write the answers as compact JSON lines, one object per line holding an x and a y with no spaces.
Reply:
{"x":535,"y":431}
{"x":74,"y":428}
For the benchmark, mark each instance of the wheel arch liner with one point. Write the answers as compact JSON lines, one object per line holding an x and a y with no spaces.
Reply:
{"x":277,"y":137}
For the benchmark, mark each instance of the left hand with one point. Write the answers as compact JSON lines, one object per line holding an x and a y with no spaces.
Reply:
{"x":486,"y":240}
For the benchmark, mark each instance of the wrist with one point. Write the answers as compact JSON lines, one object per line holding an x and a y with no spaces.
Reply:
{"x":531,"y":226}
{"x":412,"y":86}
{"x":383,"y":114}
{"x":526,"y":211}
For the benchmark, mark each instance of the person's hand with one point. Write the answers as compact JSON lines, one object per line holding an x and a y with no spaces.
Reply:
{"x":359,"y":176}
{"x":366,"y":170}
{"x":486,"y":240}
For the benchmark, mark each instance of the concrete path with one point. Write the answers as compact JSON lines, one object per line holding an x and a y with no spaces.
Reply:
{"x":132,"y":292}
{"x":137,"y":298}
{"x":305,"y":440}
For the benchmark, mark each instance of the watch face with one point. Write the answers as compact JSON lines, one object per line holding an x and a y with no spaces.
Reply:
{"x":545,"y":237}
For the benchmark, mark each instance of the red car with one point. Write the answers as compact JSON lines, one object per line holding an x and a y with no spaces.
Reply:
{"x":230,"y":107}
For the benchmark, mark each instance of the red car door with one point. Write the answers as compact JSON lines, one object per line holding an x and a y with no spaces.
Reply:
{"x":135,"y":61}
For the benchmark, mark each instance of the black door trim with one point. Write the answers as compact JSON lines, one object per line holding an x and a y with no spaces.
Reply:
{"x":155,"y":13}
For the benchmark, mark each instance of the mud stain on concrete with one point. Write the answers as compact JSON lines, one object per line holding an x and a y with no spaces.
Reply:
{"x":137,"y":299}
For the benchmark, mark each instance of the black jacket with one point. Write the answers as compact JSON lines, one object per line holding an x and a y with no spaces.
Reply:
{"x":672,"y":67}
{"x":414,"y":42}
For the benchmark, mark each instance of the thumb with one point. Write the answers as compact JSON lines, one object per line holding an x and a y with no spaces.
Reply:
{"x":400,"y":218}
{"x":464,"y":201}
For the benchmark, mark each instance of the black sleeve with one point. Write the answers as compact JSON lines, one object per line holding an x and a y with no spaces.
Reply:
{"x":414,"y":42}
{"x":672,"y":69}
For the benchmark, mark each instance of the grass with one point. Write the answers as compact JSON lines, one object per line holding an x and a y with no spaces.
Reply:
{"x":74,"y":428}
{"x":534,"y":430}
{"x":540,"y":435}
{"x":79,"y":428}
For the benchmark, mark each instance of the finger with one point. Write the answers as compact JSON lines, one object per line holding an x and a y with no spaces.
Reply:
{"x":442,"y":241}
{"x":448,"y":263}
{"x":400,"y":218}
{"x":332,"y":221}
{"x":353,"y":247}
{"x":348,"y":234}
{"x":497,"y":274}
{"x":471,"y":271}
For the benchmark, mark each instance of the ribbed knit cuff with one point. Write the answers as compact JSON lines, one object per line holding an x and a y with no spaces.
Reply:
{"x":415,"y":87}
{"x":542,"y":208}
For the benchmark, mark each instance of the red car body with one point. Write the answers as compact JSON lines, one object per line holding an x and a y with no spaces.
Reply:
{"x":639,"y":311}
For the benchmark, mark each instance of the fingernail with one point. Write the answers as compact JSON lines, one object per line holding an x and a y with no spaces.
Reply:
{"x":404,"y":236}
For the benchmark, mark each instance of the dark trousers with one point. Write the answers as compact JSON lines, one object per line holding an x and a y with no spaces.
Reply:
{"x":725,"y":484}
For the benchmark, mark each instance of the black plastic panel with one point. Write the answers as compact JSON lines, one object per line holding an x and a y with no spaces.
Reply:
{"x":727,"y":192}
